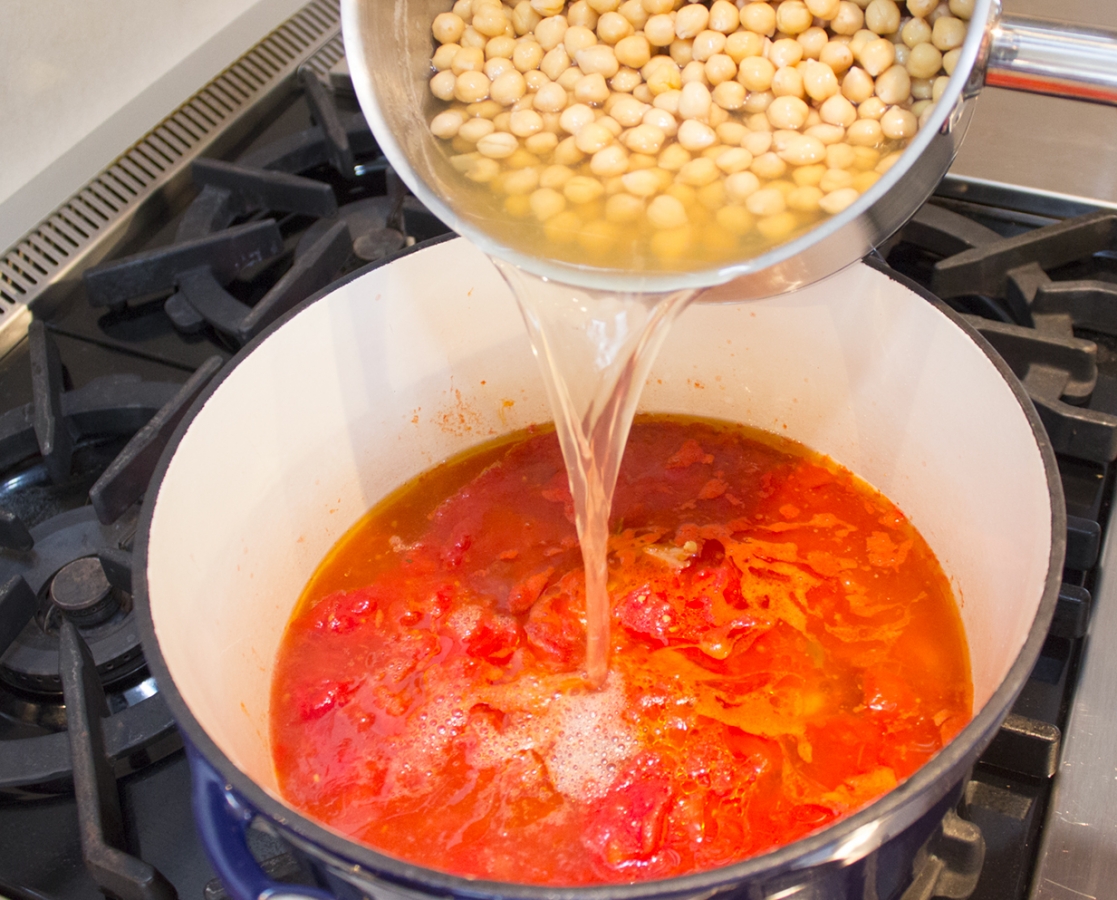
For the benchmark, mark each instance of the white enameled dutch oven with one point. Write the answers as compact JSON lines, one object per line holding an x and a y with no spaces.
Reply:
{"x":410,"y":362}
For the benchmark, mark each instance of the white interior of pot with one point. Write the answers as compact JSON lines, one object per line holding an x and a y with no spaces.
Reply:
{"x":427,"y":356}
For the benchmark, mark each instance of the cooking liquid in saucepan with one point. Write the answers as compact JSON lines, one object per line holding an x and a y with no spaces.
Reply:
{"x":785,"y":648}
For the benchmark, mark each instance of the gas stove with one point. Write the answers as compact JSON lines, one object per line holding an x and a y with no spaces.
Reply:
{"x":261,"y":191}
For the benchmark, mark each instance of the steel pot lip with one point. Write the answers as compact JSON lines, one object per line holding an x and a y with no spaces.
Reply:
{"x":841,"y":843}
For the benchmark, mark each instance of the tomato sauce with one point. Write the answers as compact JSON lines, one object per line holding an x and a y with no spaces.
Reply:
{"x":785,"y":648}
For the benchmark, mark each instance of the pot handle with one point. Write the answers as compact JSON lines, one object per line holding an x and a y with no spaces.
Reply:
{"x":223,"y":820}
{"x":1042,"y":56}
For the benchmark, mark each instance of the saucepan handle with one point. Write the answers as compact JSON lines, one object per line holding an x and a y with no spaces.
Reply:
{"x":223,"y":821}
{"x":1046,"y":57}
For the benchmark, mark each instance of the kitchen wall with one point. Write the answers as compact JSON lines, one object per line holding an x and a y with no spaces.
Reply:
{"x":81,"y":81}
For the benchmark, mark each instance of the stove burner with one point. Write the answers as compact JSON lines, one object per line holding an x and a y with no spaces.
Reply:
{"x":83,"y":593}
{"x":370,"y":223}
{"x":211,"y":251}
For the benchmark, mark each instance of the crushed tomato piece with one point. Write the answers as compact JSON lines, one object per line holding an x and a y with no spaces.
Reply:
{"x":780,"y":657}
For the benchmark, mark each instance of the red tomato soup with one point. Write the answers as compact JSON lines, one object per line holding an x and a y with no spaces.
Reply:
{"x":785,"y":648}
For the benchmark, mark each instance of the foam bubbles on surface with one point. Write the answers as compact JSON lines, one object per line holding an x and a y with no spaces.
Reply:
{"x":580,"y":735}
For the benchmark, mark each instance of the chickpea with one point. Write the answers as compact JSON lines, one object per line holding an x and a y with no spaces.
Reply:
{"x":682,"y":51}
{"x":707,"y":44}
{"x":812,"y":41}
{"x":836,"y":179}
{"x":894,"y":85}
{"x":665,"y":78}
{"x":787,"y":82}
{"x":695,"y":101}
{"x":535,"y":80}
{"x":963,"y":9}
{"x":876,"y":56}
{"x":743,"y":44}
{"x":827,"y":133}
{"x":694,"y":135}
{"x":575,"y":117}
{"x":950,"y":60}
{"x":581,"y":13}
{"x":521,"y":181}
{"x":673,"y":157}
{"x":580,"y":189}
{"x":541,"y":144}
{"x":720,"y":69}
{"x":448,"y":28}
{"x":634,"y":11}
{"x":524,"y":18}
{"x":837,"y":56}
{"x":768,"y":165}
{"x":788,"y":112}
{"x":820,"y":82}
{"x":785,"y":52}
{"x":898,"y":124}
{"x":442,"y":85}
{"x":793,"y":17}
{"x":633,"y":51}
{"x":694,"y":71}
{"x":662,"y":120}
{"x":849,"y":18}
{"x":660,"y":31}
{"x":857,"y":85}
{"x":873,"y":108}
{"x":733,"y":160}
{"x":628,"y":111}
{"x":804,"y":199}
{"x":490,"y":21}
{"x":823,"y":9}
{"x":506,"y":89}
{"x":808,"y":176}
{"x":865,"y":133}
{"x":626,"y":81}
{"x":757,"y":103}
{"x":468,"y":59}
{"x":555,"y":62}
{"x":698,"y":172}
{"x":731,"y":133}
{"x":759,"y":18}
{"x":767,"y":201}
{"x":948,"y":33}
{"x":725,"y":18}
{"x":609,"y":161}
{"x":756,"y":73}
{"x":739,"y":186}
{"x":577,"y":38}
{"x":922,"y":8}
{"x":525,"y":123}
{"x":598,"y":59}
{"x":691,"y":19}
{"x":622,"y":209}
{"x":642,"y":183}
{"x":550,"y":32}
{"x":882,"y":17}
{"x":729,"y":95}
{"x":758,"y":142}
{"x":498,"y":145}
{"x":838,"y":201}
{"x":612,"y":27}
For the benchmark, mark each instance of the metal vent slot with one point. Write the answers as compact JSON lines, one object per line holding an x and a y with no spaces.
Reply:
{"x":83,"y":229}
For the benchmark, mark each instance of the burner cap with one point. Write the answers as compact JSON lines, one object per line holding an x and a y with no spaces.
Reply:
{"x":374,"y":245}
{"x":83,"y":593}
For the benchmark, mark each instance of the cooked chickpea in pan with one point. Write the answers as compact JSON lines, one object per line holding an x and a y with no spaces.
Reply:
{"x":676,"y":134}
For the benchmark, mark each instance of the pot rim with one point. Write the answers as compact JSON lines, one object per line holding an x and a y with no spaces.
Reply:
{"x":842,"y":842}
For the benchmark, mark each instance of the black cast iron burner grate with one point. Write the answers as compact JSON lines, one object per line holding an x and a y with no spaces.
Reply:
{"x":77,"y":707}
{"x":274,"y":210}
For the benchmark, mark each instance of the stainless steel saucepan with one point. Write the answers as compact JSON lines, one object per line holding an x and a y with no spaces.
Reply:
{"x":388,"y":45}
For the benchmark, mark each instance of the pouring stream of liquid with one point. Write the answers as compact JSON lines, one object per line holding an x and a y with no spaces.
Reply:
{"x":595,"y":350}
